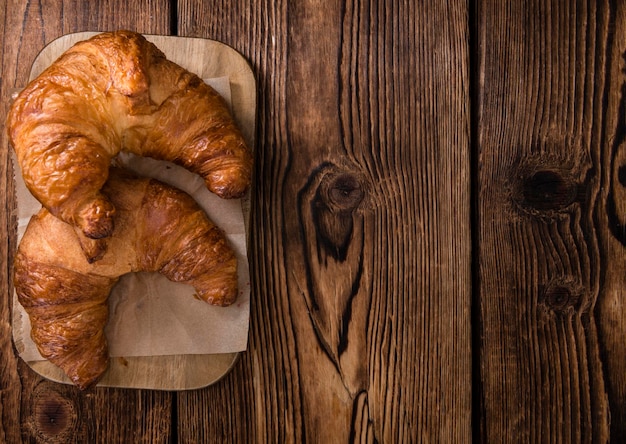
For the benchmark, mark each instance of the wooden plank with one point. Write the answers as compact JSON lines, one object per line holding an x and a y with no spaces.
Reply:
{"x":552,"y":343}
{"x":32,"y":408}
{"x":9,"y":376}
{"x":360,"y":323}
{"x":611,"y":201}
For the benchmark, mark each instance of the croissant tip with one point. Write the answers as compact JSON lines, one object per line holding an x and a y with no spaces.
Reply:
{"x":230,"y":191}
{"x":84,"y":384}
{"x":98,"y":233}
{"x":89,"y":379}
{"x":99,"y":228}
{"x":219,"y":299}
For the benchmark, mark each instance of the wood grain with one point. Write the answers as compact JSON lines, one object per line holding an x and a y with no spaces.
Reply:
{"x":32,"y":409}
{"x":361,"y":244}
{"x":552,"y":351}
{"x":611,"y":216}
{"x":360,"y":322}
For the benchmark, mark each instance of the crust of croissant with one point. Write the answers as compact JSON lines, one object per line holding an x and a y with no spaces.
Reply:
{"x":161,"y":229}
{"x":117,"y":92}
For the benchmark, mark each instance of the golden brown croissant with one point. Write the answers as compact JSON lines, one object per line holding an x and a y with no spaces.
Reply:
{"x":158,"y":229}
{"x":117,"y":92}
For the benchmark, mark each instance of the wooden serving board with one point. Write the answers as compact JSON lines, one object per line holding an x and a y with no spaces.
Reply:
{"x":208,"y":59}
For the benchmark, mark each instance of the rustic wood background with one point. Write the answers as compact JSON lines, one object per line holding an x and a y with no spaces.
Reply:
{"x":438,"y":227}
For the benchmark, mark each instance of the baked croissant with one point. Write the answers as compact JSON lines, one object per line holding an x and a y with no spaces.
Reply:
{"x":117,"y":92}
{"x":158,"y":229}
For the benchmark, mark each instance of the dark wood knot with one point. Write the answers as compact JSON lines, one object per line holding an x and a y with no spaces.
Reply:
{"x":546,"y":190}
{"x":561,"y":297}
{"x":332,"y":210}
{"x":54,"y":415}
{"x":343,"y":192}
{"x":335,"y":196}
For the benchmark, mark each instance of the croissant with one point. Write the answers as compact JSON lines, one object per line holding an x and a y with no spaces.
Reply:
{"x":118,"y":92}
{"x":158,"y":229}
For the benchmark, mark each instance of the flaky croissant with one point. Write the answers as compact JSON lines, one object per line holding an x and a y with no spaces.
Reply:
{"x":158,"y":229}
{"x":117,"y":92}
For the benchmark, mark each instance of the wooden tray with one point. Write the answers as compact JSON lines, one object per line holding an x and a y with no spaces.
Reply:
{"x":208,"y":59}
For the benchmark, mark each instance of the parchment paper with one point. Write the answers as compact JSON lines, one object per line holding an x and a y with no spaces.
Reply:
{"x":148,"y":314}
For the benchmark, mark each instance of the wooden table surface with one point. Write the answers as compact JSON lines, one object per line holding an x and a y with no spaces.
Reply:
{"x":438,"y":232}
